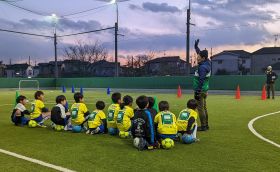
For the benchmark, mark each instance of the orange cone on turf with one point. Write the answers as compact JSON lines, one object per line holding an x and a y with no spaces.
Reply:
{"x":237,"y":94}
{"x":264,"y":93}
{"x":179,"y":92}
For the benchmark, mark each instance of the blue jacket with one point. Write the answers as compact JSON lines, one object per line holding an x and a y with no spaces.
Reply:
{"x":204,"y":70}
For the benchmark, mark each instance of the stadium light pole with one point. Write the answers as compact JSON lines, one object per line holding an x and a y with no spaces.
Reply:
{"x":54,"y":20}
{"x":188,"y":37}
{"x":116,"y":37}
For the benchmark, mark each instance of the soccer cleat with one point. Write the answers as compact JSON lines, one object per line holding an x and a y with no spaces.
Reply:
{"x":42,"y":125}
{"x":88,"y":132}
{"x":202,"y":128}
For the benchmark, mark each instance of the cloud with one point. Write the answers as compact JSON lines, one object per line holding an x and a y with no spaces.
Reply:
{"x":155,"y":7}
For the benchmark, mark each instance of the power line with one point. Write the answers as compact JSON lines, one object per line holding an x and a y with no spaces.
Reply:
{"x":25,"y":33}
{"x":63,"y":16}
{"x":92,"y":31}
{"x":26,"y":9}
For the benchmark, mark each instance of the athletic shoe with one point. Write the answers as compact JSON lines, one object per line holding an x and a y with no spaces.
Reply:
{"x":202,"y":128}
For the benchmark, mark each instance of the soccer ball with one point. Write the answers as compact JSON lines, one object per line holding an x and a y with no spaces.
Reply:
{"x":139,"y":143}
{"x":188,"y":139}
{"x":59,"y":128}
{"x":167,"y":143}
{"x":124,"y":134}
{"x":76,"y":129}
{"x":32,"y":124}
{"x":112,"y":131}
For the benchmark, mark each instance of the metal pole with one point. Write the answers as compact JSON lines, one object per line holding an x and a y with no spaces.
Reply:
{"x":188,"y":37}
{"x":55,"y":55}
{"x":116,"y":51}
{"x":116,"y":40}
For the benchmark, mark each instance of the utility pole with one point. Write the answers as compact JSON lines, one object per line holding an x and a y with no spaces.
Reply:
{"x":116,"y":51}
{"x":55,"y":55}
{"x":211,"y":59}
{"x":116,"y":40}
{"x":275,"y":40}
{"x":188,"y":38}
{"x":29,"y":61}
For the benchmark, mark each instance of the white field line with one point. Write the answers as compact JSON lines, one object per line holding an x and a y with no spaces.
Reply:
{"x":42,"y":163}
{"x":251,"y":128}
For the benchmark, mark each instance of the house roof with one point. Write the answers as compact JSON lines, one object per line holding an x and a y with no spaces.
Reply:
{"x":17,"y":66}
{"x":240,"y":53}
{"x":166,"y":59}
{"x":267,"y":50}
{"x":104,"y":63}
{"x":276,"y":66}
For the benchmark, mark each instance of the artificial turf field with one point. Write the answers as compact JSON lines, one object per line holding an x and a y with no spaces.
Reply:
{"x":227,"y":146}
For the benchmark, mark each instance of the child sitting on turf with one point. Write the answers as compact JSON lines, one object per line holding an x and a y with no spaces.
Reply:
{"x":19,"y":111}
{"x":187,"y":122}
{"x":39,"y":112}
{"x":125,"y":114}
{"x":142,"y":129}
{"x":151,"y":107}
{"x":165,"y":122}
{"x":113,"y":111}
{"x":59,"y":114}
{"x":97,"y":120}
{"x":79,"y":111}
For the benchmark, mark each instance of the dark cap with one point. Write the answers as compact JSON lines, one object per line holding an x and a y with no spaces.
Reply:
{"x":203,"y":54}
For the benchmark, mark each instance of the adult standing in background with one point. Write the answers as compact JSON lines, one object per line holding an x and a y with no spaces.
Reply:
{"x":201,"y":85}
{"x":270,"y":82}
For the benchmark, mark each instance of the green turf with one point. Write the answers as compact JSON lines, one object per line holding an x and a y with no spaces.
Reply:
{"x":269,"y":127}
{"x":228,"y":146}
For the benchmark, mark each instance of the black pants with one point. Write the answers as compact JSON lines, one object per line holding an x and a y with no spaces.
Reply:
{"x":202,"y":110}
{"x":272,"y":88}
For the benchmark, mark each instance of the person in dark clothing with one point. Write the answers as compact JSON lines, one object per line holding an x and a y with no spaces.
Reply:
{"x":142,"y":129}
{"x":59,"y":113}
{"x":19,"y":111}
{"x":201,"y":85}
{"x":271,"y":77}
{"x":150,"y":107}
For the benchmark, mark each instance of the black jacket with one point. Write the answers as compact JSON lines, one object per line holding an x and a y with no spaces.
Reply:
{"x":142,"y":126}
{"x":271,"y":77}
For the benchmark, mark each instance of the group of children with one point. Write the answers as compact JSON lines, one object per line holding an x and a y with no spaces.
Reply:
{"x":149,"y":128}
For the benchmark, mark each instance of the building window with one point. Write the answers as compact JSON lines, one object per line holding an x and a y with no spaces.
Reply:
{"x":220,"y":61}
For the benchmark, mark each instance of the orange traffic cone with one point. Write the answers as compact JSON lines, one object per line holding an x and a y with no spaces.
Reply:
{"x":237,"y":94}
{"x":179,"y":92}
{"x":264,"y":93}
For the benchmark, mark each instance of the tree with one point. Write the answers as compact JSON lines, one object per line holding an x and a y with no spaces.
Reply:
{"x":92,"y":52}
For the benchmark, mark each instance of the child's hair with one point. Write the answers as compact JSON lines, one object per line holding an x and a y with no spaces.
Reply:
{"x":127,"y":100}
{"x":151,"y":102}
{"x":116,"y":97}
{"x":192,"y":104}
{"x":100,"y":105}
{"x":163,"y":106}
{"x":20,"y":98}
{"x":77,"y":97}
{"x":142,"y":102}
{"x":60,"y":99}
{"x":38,"y":94}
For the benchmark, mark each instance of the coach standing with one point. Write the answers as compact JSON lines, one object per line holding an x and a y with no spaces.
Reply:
{"x":201,"y":85}
{"x":270,"y":81}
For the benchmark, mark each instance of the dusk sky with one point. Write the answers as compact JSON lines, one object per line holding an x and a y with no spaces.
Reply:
{"x":157,"y":25}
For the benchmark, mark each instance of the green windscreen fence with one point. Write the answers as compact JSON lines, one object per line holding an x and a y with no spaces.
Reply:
{"x":247,"y":83}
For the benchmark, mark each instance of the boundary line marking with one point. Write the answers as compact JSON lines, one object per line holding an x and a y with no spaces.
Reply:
{"x":42,"y":163}
{"x":251,"y":128}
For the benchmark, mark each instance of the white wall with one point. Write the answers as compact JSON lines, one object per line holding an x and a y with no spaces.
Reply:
{"x":229,"y":63}
{"x":259,"y":62}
